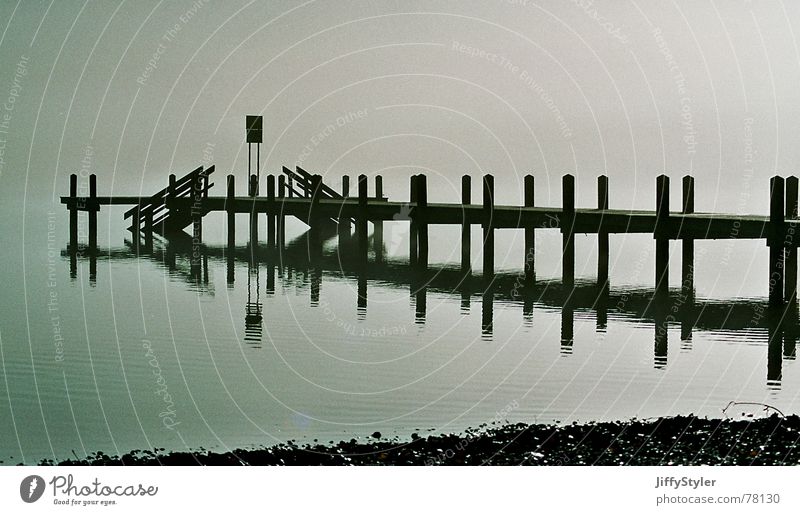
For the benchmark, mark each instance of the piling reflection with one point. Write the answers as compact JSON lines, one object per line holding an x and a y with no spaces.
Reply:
{"x":674,"y":309}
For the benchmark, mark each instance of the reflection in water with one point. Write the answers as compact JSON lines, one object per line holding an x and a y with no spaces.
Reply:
{"x":567,"y":326}
{"x":487,"y":313}
{"x":674,"y":308}
{"x":253,"y":312}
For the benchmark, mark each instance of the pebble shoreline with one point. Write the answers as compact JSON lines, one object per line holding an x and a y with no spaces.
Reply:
{"x":681,"y":440}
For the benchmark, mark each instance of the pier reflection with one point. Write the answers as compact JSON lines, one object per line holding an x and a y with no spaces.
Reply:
{"x":676,"y":311}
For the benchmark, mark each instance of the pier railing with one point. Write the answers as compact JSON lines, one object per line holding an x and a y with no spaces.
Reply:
{"x":305,"y":196}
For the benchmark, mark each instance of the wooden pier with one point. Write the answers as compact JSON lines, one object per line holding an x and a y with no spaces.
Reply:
{"x":302,"y":195}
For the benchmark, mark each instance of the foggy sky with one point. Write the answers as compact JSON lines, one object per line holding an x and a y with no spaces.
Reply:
{"x":134,"y":90}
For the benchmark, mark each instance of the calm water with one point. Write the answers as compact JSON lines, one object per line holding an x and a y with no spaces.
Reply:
{"x":129,"y":352}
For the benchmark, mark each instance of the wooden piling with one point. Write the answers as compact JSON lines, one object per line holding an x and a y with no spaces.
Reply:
{"x":568,"y":232}
{"x":197,"y":210}
{"x":253,"y":192}
{"x":344,"y":221}
{"x":229,"y":204}
{"x":93,"y":208}
{"x":488,"y":226}
{"x":377,"y":232}
{"x":602,"y":236}
{"x":271,"y":210}
{"x":687,"y":244}
{"x":422,"y":222}
{"x":662,"y":242}
{"x":412,"y":240}
{"x":314,"y":216}
{"x":530,"y":236}
{"x":466,"y":233}
{"x":775,"y":241}
{"x":790,"y":255}
{"x":361,"y":224}
{"x":136,"y":225}
{"x":73,"y":213}
{"x":281,"y":219}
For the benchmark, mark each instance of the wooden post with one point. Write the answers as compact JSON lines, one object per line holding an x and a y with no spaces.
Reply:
{"x":466,"y":227}
{"x":422,"y":222}
{"x":361,"y":228}
{"x":790,"y":278}
{"x":687,"y":244}
{"x":229,"y":205}
{"x":662,"y":242}
{"x":170,"y":201}
{"x":73,"y":213}
{"x":136,"y":226}
{"x":197,"y":210}
{"x":567,"y":232}
{"x":775,"y":241}
{"x":281,"y":219}
{"x":271,"y":210}
{"x":315,"y":192}
{"x":412,"y":241}
{"x":530,"y":236}
{"x":377,"y":231}
{"x":488,"y":226}
{"x":344,"y":221}
{"x":602,"y":235}
{"x":93,"y":209}
{"x":253,"y":193}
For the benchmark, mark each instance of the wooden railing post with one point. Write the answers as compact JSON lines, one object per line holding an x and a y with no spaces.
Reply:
{"x":73,"y":212}
{"x":422,"y":222}
{"x":567,"y":232}
{"x":377,"y":225}
{"x":662,"y":241}
{"x":271,"y":208}
{"x":231,"y":209}
{"x":412,"y":240}
{"x":93,"y":209}
{"x":687,"y":261}
{"x":602,"y":235}
{"x":361,"y":228}
{"x":280,"y":221}
{"x":530,"y":236}
{"x":466,"y":227}
{"x":197,"y":215}
{"x":775,"y":241}
{"x":253,"y":193}
{"x":790,"y":277}
{"x":488,"y":226}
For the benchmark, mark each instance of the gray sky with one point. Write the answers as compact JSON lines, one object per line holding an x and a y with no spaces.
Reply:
{"x":134,"y":90}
